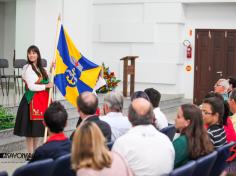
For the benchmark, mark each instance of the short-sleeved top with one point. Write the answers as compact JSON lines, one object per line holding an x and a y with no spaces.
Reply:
{"x":181,"y":150}
{"x":217,"y":135}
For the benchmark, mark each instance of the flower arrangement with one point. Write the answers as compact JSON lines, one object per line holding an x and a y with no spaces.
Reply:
{"x":111,"y":80}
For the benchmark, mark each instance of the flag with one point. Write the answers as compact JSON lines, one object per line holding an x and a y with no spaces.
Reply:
{"x":74,"y":74}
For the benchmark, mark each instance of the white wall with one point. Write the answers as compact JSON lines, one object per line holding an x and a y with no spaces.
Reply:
{"x":25,"y":26}
{"x":78,"y":23}
{"x":151,"y":30}
{"x":46,"y":15}
{"x":2,"y":10}
{"x":38,"y":26}
{"x":9,"y":32}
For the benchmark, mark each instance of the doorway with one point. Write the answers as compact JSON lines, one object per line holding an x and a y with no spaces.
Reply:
{"x":215,"y":58}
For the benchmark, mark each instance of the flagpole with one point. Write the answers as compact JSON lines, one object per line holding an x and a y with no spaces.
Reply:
{"x":52,"y":69}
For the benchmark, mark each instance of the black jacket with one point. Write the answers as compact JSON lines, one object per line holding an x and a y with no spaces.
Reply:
{"x":52,"y":149}
{"x":104,"y":127}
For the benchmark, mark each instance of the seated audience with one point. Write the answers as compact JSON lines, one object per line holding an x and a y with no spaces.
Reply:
{"x":227,"y":122}
{"x":221,"y":87}
{"x":213,"y":112}
{"x":155,"y":96}
{"x":55,"y":119}
{"x":112,"y":108}
{"x":193,"y":141}
{"x":87,"y":103}
{"x":90,"y":157}
{"x":147,"y":151}
{"x":232,"y":105}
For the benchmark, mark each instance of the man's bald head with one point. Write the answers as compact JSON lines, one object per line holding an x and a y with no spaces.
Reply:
{"x":87,"y":102}
{"x":140,"y":112}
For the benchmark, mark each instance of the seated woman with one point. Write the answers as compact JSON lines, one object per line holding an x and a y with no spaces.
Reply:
{"x":227,"y":122}
{"x":90,"y":156}
{"x":193,"y":141}
{"x":213,"y":112}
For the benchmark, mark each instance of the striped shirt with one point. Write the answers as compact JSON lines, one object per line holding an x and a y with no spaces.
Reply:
{"x":217,"y":135}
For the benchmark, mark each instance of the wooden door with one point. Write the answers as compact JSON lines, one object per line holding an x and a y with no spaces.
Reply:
{"x":203,"y":65}
{"x":215,"y":58}
{"x":231,"y":53}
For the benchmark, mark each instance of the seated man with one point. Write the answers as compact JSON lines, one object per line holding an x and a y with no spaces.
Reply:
{"x":147,"y":151}
{"x":155,"y":96}
{"x":113,"y":107}
{"x":87,"y":103}
{"x":221,"y":87}
{"x":55,"y":119}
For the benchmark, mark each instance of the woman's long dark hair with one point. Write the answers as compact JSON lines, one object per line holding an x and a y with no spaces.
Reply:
{"x":199,"y":143}
{"x":39,"y":62}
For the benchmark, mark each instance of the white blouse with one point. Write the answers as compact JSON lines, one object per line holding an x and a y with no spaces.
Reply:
{"x":30,"y":77}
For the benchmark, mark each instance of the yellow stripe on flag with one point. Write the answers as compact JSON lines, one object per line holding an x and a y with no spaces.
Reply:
{"x":71,"y":95}
{"x":60,"y":66}
{"x":89,"y":77}
{"x":71,"y":47}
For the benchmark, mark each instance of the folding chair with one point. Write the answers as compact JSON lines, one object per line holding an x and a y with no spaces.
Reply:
{"x":37,"y":168}
{"x":205,"y":164}
{"x":222,"y":156}
{"x":62,"y":167}
{"x":185,"y":170}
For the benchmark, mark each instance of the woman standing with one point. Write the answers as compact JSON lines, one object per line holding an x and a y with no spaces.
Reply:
{"x":194,"y":141}
{"x":29,"y":118}
{"x":90,"y":156}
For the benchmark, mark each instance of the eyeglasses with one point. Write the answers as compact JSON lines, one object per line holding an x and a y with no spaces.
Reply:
{"x":217,"y":85}
{"x":206,"y":113}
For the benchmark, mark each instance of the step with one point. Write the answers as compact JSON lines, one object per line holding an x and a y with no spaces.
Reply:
{"x":9,"y":142}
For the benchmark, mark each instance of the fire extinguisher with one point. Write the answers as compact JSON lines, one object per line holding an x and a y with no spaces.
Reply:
{"x":189,"y":51}
{"x":188,"y":46}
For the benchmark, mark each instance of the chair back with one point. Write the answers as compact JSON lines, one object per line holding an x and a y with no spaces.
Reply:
{"x":44,"y":62}
{"x":19,"y":63}
{"x":205,"y":164}
{"x":169,"y":131}
{"x":4,"y":63}
{"x":3,"y":173}
{"x":185,"y":170}
{"x":62,"y":167}
{"x":222,"y":156}
{"x":109,"y":145}
{"x":37,"y":168}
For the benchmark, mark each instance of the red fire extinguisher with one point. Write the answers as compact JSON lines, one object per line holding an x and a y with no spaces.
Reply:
{"x":189,"y":51}
{"x":188,"y":46}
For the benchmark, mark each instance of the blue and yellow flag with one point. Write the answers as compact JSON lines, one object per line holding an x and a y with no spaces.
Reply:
{"x":74,"y":73}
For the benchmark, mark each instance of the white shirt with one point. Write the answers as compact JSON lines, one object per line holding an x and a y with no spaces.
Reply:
{"x":119,"y":124}
{"x":161,"y":120}
{"x":147,"y":151}
{"x":30,"y":77}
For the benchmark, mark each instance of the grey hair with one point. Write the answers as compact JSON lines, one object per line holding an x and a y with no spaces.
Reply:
{"x":114,"y":100}
{"x":224,"y":83}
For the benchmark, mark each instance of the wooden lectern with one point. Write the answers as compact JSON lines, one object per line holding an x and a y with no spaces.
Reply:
{"x":128,"y":70}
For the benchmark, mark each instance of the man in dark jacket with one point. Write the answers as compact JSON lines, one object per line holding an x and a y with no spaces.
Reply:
{"x":87,"y":104}
{"x":55,"y":118}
